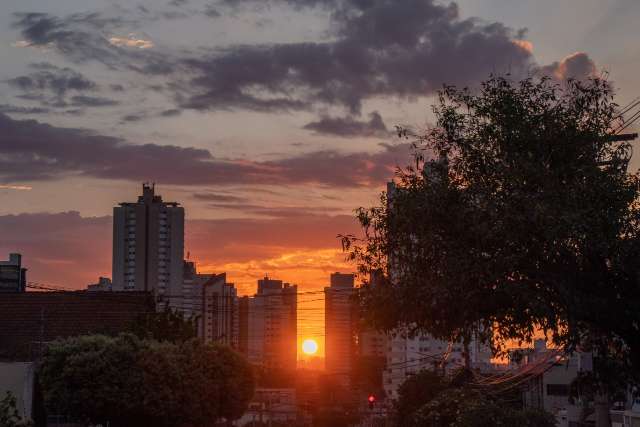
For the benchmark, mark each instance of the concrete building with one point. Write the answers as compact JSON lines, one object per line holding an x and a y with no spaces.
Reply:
{"x":220,"y":314}
{"x":18,"y":379}
{"x":13,"y":277}
{"x":271,"y":406}
{"x":148,"y":246}
{"x":272,"y":325}
{"x":104,"y":285}
{"x":340,"y":333}
{"x":191,"y":296}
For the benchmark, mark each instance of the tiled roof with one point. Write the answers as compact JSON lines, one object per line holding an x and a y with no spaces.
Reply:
{"x":29,"y":318}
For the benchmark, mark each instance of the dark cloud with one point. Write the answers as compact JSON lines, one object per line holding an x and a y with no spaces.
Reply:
{"x":211,"y":11}
{"x":178,"y":3}
{"x":403,"y":48}
{"x":217,"y":197}
{"x":84,"y":37}
{"x":132,"y":118}
{"x":92,"y":101}
{"x":116,"y":87}
{"x":350,"y":127}
{"x":171,"y":112}
{"x":52,"y":86}
{"x":50,"y":78}
{"x":377,"y":48}
{"x":30,"y":150}
{"x":16,"y":109}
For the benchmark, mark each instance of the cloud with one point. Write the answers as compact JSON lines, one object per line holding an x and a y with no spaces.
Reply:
{"x":15,"y":187}
{"x":173,"y":112}
{"x":377,"y":48}
{"x":577,"y":66}
{"x":62,"y":248}
{"x":84,"y":37}
{"x":82,"y":245}
{"x":92,"y":101}
{"x":17,"y":109}
{"x":349,"y":127}
{"x":131,"y":41}
{"x":49,"y":78}
{"x":30,"y":150}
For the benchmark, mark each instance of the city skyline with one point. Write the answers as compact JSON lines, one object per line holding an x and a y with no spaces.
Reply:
{"x":276,"y":193}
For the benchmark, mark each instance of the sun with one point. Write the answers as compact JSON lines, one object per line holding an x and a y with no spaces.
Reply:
{"x":309,"y":346}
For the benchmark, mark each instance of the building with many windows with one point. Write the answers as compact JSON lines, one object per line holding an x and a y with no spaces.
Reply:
{"x":148,"y":246}
{"x":272,"y":325}
{"x":220,"y":311}
{"x":13,"y":277}
{"x":340,"y":333}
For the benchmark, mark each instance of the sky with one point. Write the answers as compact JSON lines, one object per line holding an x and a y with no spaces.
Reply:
{"x":270,"y":121}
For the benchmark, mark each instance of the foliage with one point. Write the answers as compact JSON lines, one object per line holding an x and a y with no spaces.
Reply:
{"x":519,"y":213}
{"x":9,"y":415}
{"x":430,"y":399}
{"x":128,"y":381}
{"x":166,"y":325}
{"x":367,"y":374}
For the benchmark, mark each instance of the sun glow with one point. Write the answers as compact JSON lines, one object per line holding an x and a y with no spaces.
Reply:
{"x":309,"y":346}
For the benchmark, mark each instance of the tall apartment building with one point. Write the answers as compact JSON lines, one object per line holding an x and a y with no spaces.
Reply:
{"x":13,"y":277}
{"x":340,"y":334}
{"x":407,"y":355}
{"x":272,"y":325}
{"x":148,"y":246}
{"x":220,"y":315}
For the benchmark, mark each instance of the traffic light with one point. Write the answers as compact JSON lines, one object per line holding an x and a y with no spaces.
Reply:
{"x":371,"y":400}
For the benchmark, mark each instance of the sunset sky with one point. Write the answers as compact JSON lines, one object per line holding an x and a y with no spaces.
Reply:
{"x":268,"y":120}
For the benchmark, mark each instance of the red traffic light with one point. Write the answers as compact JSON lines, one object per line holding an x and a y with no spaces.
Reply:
{"x":371,"y":398}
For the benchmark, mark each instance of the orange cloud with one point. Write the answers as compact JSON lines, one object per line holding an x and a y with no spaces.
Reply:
{"x":524,"y":45}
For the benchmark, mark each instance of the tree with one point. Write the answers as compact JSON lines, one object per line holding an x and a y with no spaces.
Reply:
{"x":128,"y":381}
{"x":519,"y":214}
{"x":431,"y":399}
{"x":9,"y":415}
{"x":166,"y":325}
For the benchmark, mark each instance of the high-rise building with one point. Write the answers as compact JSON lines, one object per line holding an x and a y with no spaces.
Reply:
{"x":272,"y":325}
{"x":148,"y":246}
{"x":13,"y":277}
{"x":220,"y":315}
{"x":340,"y":342}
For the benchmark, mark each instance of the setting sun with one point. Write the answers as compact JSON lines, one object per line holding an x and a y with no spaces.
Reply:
{"x":310,"y":346}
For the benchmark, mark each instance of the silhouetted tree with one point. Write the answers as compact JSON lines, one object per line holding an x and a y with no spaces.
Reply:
{"x":431,"y":399}
{"x":518,"y":214}
{"x":166,"y":325}
{"x":128,"y":381}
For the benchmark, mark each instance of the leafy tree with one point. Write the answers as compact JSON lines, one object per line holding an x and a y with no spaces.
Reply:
{"x":518,"y":214}
{"x":128,"y":381}
{"x":415,"y":392}
{"x":94,"y":379}
{"x":431,"y":399}
{"x":9,"y":415}
{"x":166,"y":325}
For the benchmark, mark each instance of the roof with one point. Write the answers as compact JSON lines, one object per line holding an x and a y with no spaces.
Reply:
{"x":29,"y":318}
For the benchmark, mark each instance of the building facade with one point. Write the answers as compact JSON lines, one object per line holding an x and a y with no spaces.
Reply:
{"x":340,"y":333}
{"x":13,"y":277}
{"x":272,"y":325}
{"x":220,"y":314}
{"x":148,"y":246}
